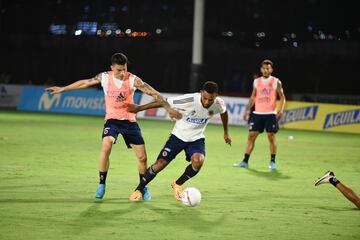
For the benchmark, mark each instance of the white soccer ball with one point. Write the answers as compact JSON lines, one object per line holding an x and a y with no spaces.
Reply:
{"x":191,"y":197}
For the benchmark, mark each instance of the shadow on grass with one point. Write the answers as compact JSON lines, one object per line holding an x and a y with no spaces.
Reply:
{"x":270,"y":175}
{"x":58,"y":200}
{"x":337,"y":209}
{"x":187,"y":217}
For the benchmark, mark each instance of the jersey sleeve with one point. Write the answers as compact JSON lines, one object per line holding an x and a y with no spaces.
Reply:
{"x":220,"y":104}
{"x":182,"y":102}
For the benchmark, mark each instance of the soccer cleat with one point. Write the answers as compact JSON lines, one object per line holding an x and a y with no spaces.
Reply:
{"x":135,"y":196}
{"x":325,"y":179}
{"x":177,"y":190}
{"x":272,"y":165}
{"x":100,"y":191}
{"x":241,"y":164}
{"x":146,"y":194}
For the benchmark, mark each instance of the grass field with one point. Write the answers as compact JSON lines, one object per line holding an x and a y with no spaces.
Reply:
{"x":48,"y":166}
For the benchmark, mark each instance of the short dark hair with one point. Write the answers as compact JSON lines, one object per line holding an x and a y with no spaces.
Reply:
{"x":119,"y":58}
{"x":210,"y":87}
{"x":267,"y":62}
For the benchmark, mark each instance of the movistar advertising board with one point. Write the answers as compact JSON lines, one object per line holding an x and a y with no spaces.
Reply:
{"x":86,"y":101}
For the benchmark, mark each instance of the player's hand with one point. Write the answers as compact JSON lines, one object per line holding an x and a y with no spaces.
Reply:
{"x":227,"y":138}
{"x":246,"y":116}
{"x":279,"y":114}
{"x":174,"y":114}
{"x":133,"y":108}
{"x":54,"y":90}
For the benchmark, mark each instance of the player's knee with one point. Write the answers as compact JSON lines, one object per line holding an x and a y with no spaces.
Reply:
{"x":142,"y":158}
{"x":107,"y":144}
{"x":197,"y":160}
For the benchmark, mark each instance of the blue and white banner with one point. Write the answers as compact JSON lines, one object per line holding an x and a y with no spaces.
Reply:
{"x":86,"y":101}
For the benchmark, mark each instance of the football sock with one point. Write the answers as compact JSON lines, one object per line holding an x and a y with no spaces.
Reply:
{"x":334,"y":181}
{"x":102,"y":176}
{"x":189,"y":173}
{"x":246,"y":157}
{"x":140,"y":176}
{"x":273,"y":157}
{"x":149,"y":175}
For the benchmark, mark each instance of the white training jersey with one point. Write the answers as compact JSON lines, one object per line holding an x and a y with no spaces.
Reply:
{"x":195,"y":117}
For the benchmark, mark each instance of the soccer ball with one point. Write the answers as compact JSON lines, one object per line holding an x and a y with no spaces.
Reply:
{"x":191,"y":197}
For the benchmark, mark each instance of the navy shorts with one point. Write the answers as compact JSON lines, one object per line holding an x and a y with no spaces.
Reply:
{"x":174,"y":146}
{"x":259,"y":122}
{"x":129,"y":130}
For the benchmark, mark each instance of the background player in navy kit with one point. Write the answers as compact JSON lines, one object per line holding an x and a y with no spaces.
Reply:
{"x":187,"y":135}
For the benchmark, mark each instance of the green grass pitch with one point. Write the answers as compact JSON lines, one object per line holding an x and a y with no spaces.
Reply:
{"x":49,"y":174}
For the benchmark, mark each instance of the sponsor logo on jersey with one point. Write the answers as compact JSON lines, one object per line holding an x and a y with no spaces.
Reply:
{"x":299,"y":114}
{"x":342,"y":118}
{"x":199,"y":121}
{"x":120,"y":97}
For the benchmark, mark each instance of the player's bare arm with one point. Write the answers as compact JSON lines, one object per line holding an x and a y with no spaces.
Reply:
{"x":280,"y":92}
{"x":250,"y":104}
{"x":225,"y":119}
{"x":134,"y":108}
{"x":147,"y":89}
{"x":84,"y":83}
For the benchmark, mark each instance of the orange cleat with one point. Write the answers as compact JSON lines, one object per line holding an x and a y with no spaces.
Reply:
{"x":177,"y":190}
{"x":136,"y":196}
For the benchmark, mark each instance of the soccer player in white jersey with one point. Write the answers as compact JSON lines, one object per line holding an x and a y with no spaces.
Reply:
{"x":187,"y":135}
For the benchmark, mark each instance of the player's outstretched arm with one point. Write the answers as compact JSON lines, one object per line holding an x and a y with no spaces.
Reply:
{"x":250,"y":104}
{"x":147,"y":89}
{"x":280,"y":92}
{"x":138,"y":108}
{"x":84,"y":83}
{"x":225,"y":120}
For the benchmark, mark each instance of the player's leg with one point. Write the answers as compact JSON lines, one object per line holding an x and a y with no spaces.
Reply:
{"x":172,"y":147}
{"x":140,"y":154}
{"x":195,"y":152}
{"x":133,"y":138}
{"x":197,"y":160}
{"x":273,"y":148}
{"x":272,"y":127}
{"x":248,"y":149}
{"x":104,"y":163}
{"x":330,"y":177}
{"x":349,"y":194}
{"x":148,"y":176}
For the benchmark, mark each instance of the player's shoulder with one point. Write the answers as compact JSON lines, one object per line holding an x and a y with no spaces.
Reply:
{"x":185,"y":98}
{"x":219,"y":100}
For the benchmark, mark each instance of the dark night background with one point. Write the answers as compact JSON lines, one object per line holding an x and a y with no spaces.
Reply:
{"x":313,"y":43}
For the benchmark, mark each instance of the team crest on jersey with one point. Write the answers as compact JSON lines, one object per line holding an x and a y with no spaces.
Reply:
{"x":211,"y":113}
{"x":121,"y":97}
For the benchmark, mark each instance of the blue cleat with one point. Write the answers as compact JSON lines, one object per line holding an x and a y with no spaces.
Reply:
{"x":146,"y":194}
{"x":272,"y":165}
{"x":241,"y":164}
{"x":100,"y":191}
